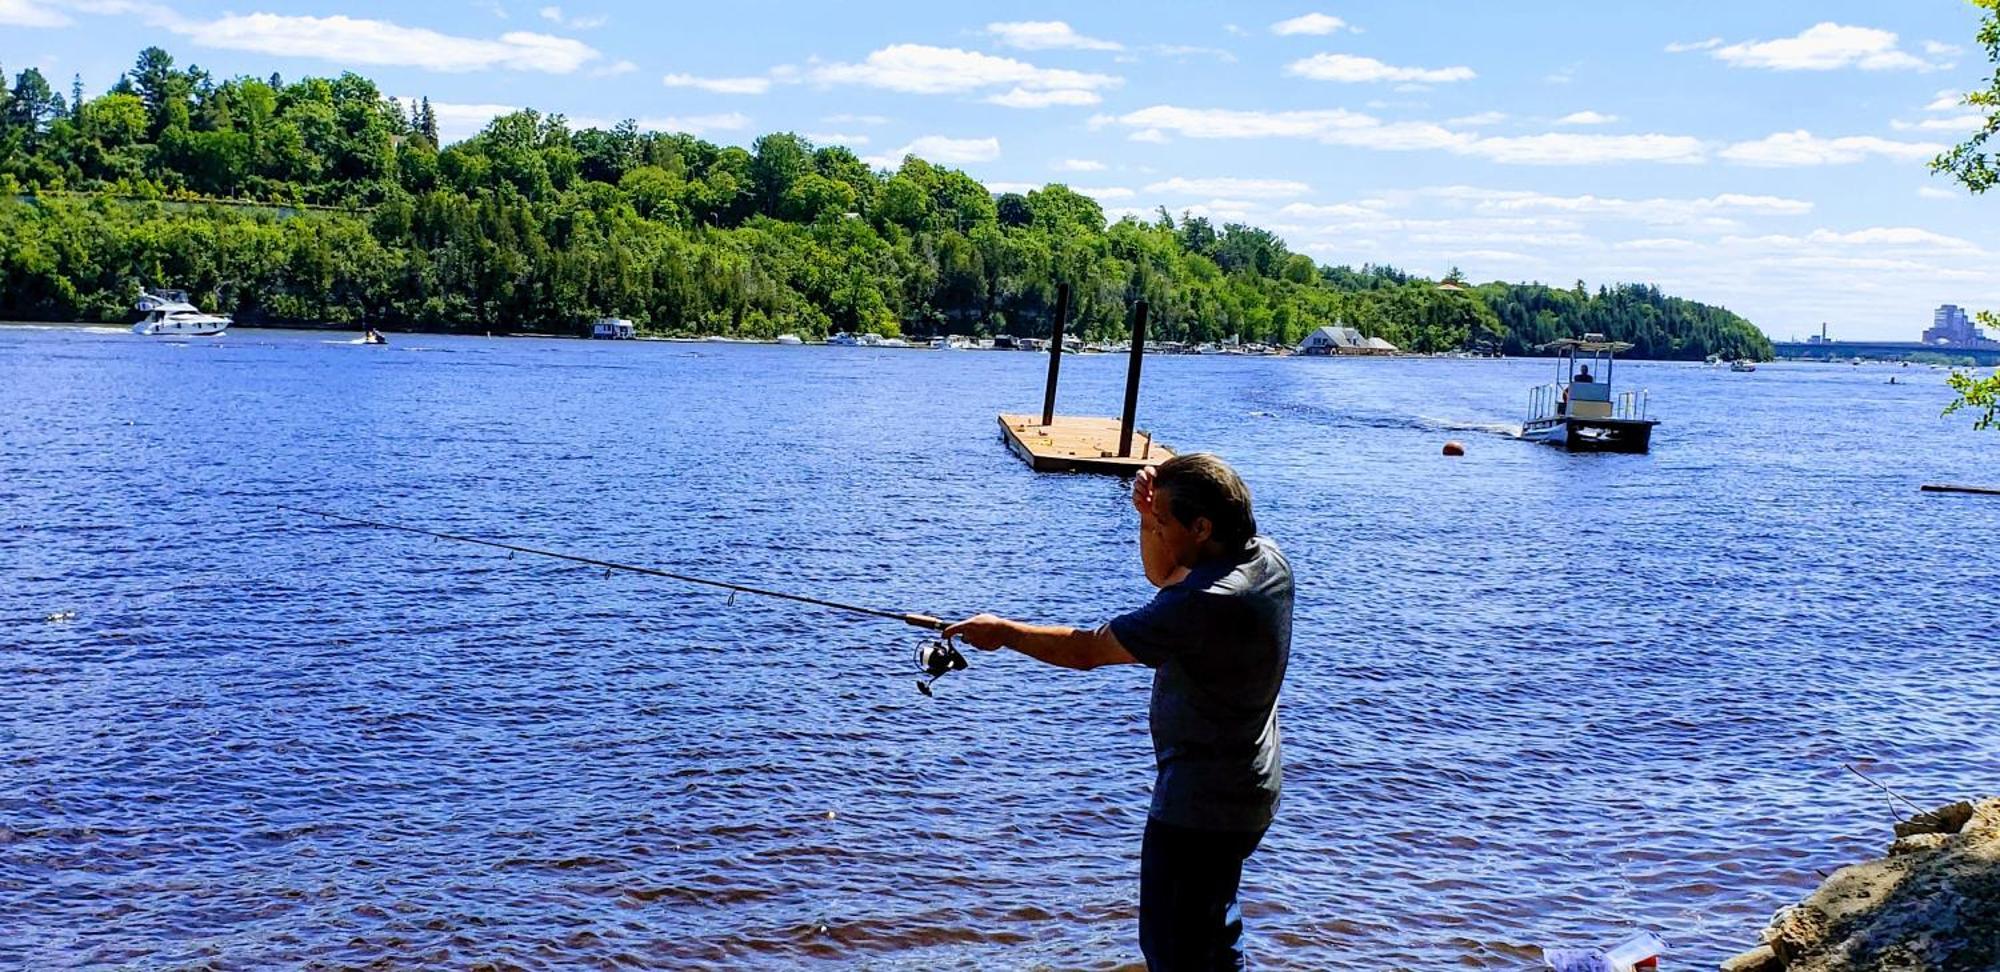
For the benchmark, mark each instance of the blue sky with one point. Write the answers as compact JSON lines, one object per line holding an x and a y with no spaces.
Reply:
{"x":1767,"y":156}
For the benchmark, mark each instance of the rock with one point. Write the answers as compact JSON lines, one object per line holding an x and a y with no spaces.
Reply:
{"x":1985,"y":817}
{"x":1760,"y":959}
{"x":1795,"y":931}
{"x":1932,"y":906}
{"x":1919,"y":843}
{"x":1944,"y":820}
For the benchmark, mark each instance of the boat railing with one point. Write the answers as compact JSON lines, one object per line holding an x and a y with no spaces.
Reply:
{"x":1542,"y":401}
{"x":1632,"y":404}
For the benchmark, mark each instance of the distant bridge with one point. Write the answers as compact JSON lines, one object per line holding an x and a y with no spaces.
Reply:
{"x":1879,"y":350}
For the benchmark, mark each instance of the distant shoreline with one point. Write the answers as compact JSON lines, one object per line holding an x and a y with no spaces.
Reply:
{"x":916,"y":344}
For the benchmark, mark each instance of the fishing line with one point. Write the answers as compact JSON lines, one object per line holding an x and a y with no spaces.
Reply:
{"x":936,"y":658}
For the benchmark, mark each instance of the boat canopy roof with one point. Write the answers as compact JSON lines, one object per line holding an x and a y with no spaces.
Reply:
{"x":1588,"y":342}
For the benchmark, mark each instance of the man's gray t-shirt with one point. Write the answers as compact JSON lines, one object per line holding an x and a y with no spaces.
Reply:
{"x":1218,"y":642}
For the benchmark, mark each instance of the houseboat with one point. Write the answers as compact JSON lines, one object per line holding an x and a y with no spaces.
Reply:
{"x":612,"y":329}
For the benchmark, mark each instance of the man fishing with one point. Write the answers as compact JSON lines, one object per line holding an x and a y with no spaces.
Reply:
{"x":1217,"y":635}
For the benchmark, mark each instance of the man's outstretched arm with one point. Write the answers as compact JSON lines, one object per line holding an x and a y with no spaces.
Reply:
{"x":1060,"y":646}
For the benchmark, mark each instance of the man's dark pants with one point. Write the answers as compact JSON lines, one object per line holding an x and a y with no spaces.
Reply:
{"x":1188,"y":915}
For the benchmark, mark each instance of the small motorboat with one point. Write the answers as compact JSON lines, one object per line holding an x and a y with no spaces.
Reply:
{"x":373,"y":336}
{"x":1743,"y":364}
{"x":1578,"y":412}
{"x":789,"y":339}
{"x":168,"y":313}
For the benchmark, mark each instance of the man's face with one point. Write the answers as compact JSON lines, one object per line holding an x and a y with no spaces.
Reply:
{"x":1166,"y":545}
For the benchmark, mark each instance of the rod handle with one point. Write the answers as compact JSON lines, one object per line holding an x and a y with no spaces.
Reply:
{"x":924,"y":621}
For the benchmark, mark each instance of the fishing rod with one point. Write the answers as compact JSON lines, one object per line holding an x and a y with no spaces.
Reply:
{"x":936,"y":658}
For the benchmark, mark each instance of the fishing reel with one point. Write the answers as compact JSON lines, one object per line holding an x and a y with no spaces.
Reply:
{"x":937,"y":659}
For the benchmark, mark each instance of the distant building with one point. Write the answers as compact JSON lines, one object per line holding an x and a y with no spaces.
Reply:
{"x":1343,"y":340}
{"x":1951,"y":328}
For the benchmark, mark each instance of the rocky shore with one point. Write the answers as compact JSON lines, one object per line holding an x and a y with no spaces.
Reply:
{"x":1931,"y":905}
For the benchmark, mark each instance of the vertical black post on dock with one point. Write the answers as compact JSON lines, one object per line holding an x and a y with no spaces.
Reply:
{"x":1055,"y":356}
{"x":1132,"y":380}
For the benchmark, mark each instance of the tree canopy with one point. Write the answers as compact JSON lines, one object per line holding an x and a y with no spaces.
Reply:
{"x":321,"y":200}
{"x":1972,"y":164}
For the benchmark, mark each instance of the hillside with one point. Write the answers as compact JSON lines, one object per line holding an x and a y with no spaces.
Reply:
{"x":361,"y":215}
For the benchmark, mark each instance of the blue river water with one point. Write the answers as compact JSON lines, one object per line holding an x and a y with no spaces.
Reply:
{"x":1535,"y":698}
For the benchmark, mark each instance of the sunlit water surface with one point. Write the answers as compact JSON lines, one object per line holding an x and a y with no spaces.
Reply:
{"x":1535,"y":698}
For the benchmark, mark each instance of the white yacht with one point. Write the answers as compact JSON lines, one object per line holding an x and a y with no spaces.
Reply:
{"x":169,"y":313}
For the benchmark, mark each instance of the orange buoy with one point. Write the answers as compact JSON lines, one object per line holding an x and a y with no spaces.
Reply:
{"x":1454,"y":448}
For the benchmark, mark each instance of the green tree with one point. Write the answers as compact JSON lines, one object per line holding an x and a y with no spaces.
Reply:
{"x":32,"y":104}
{"x":1972,"y":164}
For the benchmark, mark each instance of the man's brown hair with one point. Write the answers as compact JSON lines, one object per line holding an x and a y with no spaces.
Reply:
{"x":1200,"y":485}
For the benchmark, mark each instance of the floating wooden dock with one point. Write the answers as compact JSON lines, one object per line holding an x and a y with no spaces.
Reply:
{"x":1949,"y":488}
{"x":1074,"y":443}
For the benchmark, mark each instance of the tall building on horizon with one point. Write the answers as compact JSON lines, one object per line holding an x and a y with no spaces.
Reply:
{"x":1950,"y":326}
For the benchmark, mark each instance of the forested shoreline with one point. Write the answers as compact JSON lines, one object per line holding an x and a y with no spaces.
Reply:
{"x":321,"y":201}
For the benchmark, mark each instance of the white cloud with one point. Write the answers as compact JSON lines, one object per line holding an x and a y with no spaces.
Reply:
{"x":733,"y":86}
{"x":731,"y":121}
{"x":1353,"y":69}
{"x":1946,"y":100}
{"x":940,"y":149}
{"x":1079,"y":165}
{"x":1231,"y":123}
{"x":29,"y":13}
{"x":922,"y":69}
{"x":1105,"y":192}
{"x":1337,"y":126}
{"x":1708,"y":212}
{"x":1192,"y":50}
{"x":1024,"y":98}
{"x":1891,"y":236}
{"x":1658,"y":243}
{"x":1586,"y":118}
{"x":1247,"y":188}
{"x":1948,"y":123}
{"x":351,"y":41}
{"x":1803,"y":148}
{"x":1933,"y":192}
{"x":1042,"y":35}
{"x":1223,"y":210}
{"x":1701,"y":45}
{"x":836,"y":138}
{"x":457,"y":122}
{"x":1941,"y":49}
{"x":1328,"y":211}
{"x":1151,"y":135}
{"x":1478,"y":119}
{"x":1311,"y":24}
{"x":1824,"y":47}
{"x":620,"y":67}
{"x":1570,"y":149}
{"x":555,"y":15}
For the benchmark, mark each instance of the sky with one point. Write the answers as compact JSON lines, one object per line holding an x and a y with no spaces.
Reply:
{"x":1766,"y":156}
